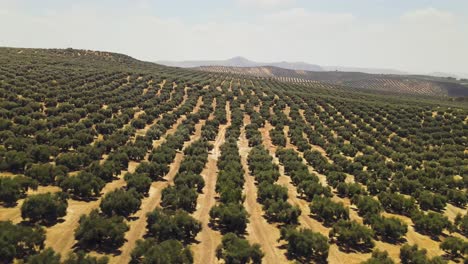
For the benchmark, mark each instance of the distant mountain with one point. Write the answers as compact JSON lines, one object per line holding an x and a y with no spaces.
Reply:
{"x":299,"y":66}
{"x":364,"y":70}
{"x":243,"y":62}
{"x":457,"y":75}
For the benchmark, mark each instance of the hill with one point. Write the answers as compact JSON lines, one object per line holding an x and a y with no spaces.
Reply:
{"x":105,"y":158}
{"x":400,"y":84}
{"x":243,"y":62}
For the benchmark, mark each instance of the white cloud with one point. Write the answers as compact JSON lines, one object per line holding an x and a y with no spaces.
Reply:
{"x":428,"y":14}
{"x":293,"y":34}
{"x":300,"y":16}
{"x":265,"y":3}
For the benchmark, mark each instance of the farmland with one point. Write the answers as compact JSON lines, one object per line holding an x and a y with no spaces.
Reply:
{"x":106,"y":158}
{"x":383,"y":83}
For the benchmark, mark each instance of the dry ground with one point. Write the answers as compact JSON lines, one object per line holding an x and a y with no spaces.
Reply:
{"x":61,"y":236}
{"x":259,"y":230}
{"x":209,"y":239}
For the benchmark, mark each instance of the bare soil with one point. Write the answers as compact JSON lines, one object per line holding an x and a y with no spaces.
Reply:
{"x":61,"y":236}
{"x":259,"y":230}
{"x":14,"y":213}
{"x":138,"y":224}
{"x":208,"y":239}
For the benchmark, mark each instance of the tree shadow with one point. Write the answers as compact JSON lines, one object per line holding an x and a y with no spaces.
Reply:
{"x":190,"y":241}
{"x":327,"y":224}
{"x":84,"y":199}
{"x":455,"y":258}
{"x":224,"y":230}
{"x":300,"y":259}
{"x":132,"y":218}
{"x":430,"y":235}
{"x":9,"y":204}
{"x":304,"y":197}
{"x":99,"y":248}
{"x":356,"y":249}
{"x":398,"y":241}
{"x":44,"y":223}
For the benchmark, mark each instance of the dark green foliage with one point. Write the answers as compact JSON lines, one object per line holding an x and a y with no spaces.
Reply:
{"x":179,"y":197}
{"x":272,"y":196}
{"x":46,"y":256}
{"x":82,"y":110}
{"x":14,"y":161}
{"x":414,"y":255}
{"x":311,"y":188}
{"x":461,"y":223}
{"x":191,"y":180}
{"x":183,"y":194}
{"x":41,"y":153}
{"x":305,"y":245}
{"x":350,"y":190}
{"x":316,"y":159}
{"x":139,"y":182}
{"x":153,"y":169}
{"x":352,"y":235}
{"x":73,"y":161}
{"x":81,"y":257}
{"x":379,"y":257}
{"x":45,"y":174}
{"x":106,"y":171}
{"x":367,"y":206}
{"x":230,"y":179}
{"x":457,"y":198}
{"x":19,"y":241}
{"x":100,"y":232}
{"x":397,"y":203}
{"x":84,"y":185}
{"x":281,"y":211}
{"x":121,"y":203}
{"x":454,"y":246}
{"x":170,"y":251}
{"x":138,"y":123}
{"x":277,"y":137}
{"x":307,"y":183}
{"x":431,"y":201}
{"x":46,"y":208}
{"x":230,"y":217}
{"x":328,"y":211}
{"x":253,"y":135}
{"x":334,"y":178}
{"x":167,"y":224}
{"x":14,"y":188}
{"x":388,"y":229}
{"x":431,"y":223}
{"x":268,"y":191}
{"x":234,"y":250}
{"x":261,"y":165}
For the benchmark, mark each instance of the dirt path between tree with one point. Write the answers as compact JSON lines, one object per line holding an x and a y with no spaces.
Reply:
{"x":305,"y":219}
{"x":337,"y":256}
{"x":138,"y":226}
{"x":61,"y":236}
{"x":209,"y":239}
{"x":259,"y":230}
{"x":142,"y":132}
{"x":14,"y":213}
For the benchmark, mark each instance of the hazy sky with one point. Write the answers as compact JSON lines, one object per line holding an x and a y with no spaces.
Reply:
{"x":411,"y":35}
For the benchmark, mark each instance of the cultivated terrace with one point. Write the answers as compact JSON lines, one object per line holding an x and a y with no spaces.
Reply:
{"x":107,"y":159}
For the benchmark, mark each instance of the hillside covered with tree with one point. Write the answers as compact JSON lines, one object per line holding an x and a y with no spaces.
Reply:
{"x":107,"y":159}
